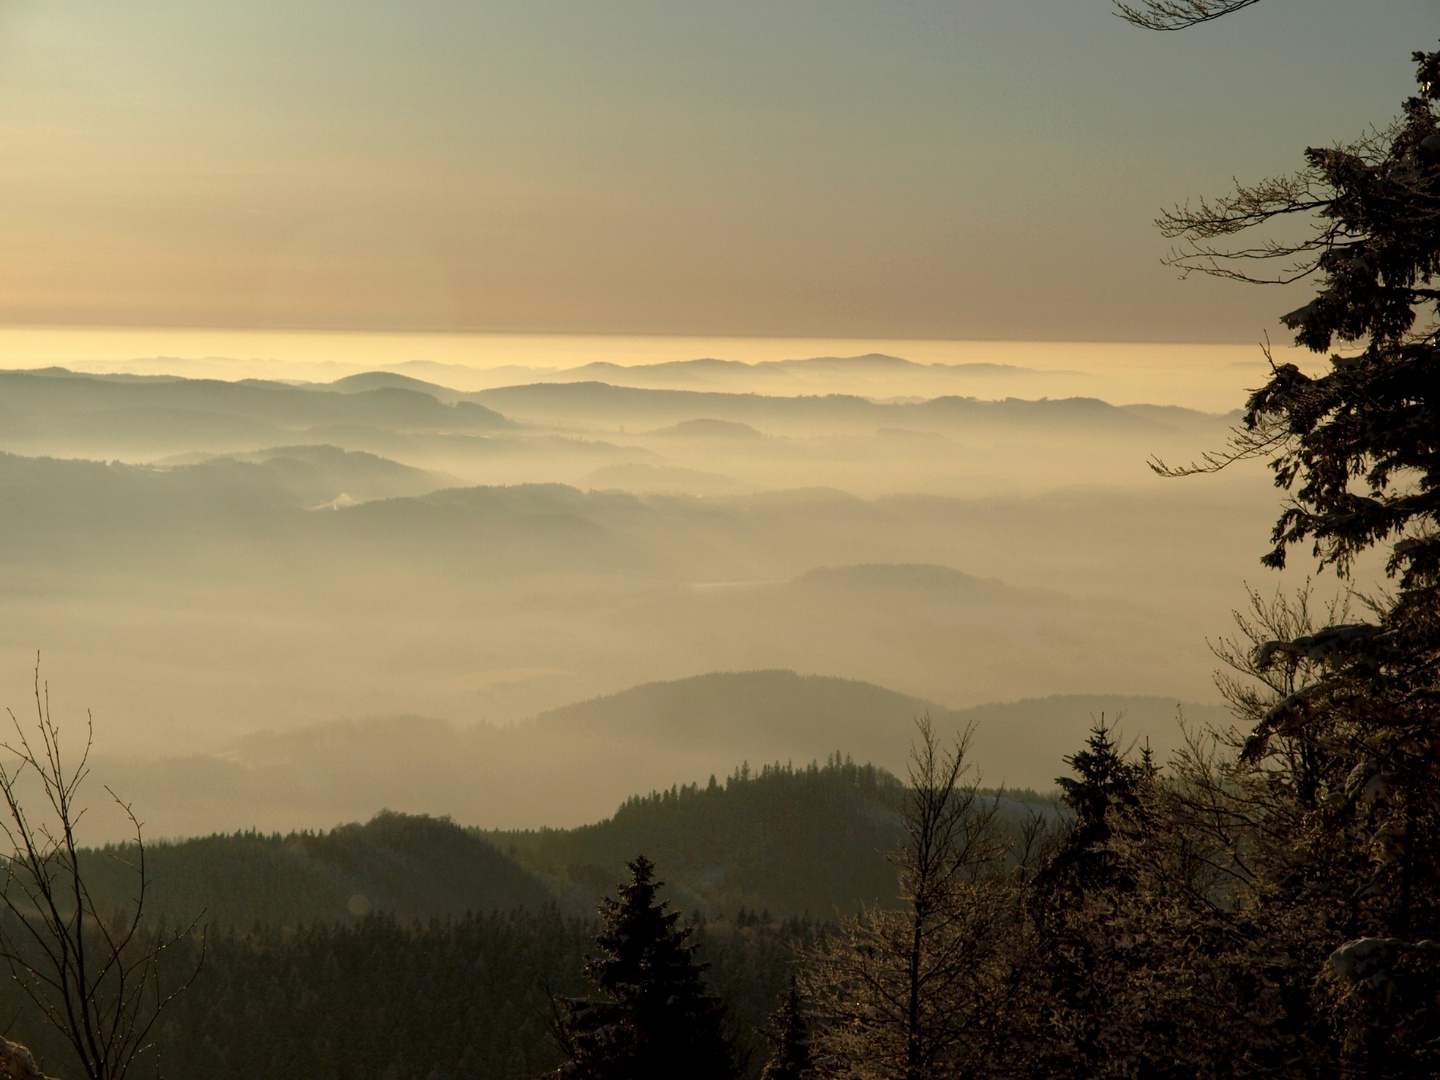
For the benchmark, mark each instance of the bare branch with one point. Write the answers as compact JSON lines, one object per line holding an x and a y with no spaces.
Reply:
{"x":1177,"y":14}
{"x":96,"y":979}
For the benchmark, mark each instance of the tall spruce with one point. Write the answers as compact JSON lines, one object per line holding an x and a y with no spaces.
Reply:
{"x":793,"y":1057}
{"x":1329,"y":825}
{"x":652,"y":1018}
{"x":1082,"y":957}
{"x":1103,"y":781}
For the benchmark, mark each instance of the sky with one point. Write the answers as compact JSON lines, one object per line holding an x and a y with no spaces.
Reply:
{"x":888,"y":169}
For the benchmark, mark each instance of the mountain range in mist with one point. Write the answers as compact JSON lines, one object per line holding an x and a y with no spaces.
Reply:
{"x":568,"y":432}
{"x":863,"y":374}
{"x":196,"y":602}
{"x":200,"y":561}
{"x":575,"y":764}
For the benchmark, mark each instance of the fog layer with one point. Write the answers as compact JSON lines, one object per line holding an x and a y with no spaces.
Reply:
{"x":202,"y":561}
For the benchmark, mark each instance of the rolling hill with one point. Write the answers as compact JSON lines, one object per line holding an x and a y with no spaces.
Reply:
{"x":58,"y":412}
{"x":573,"y":765}
{"x":788,"y":842}
{"x":602,"y":405}
{"x":412,"y":867}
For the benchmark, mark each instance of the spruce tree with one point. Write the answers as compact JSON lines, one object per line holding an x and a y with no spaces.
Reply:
{"x":1104,"y":781}
{"x":1356,"y":445}
{"x":652,"y":1018}
{"x":790,"y":1037}
{"x":1080,"y":906}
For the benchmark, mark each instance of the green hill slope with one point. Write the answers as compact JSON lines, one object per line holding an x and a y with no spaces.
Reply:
{"x":787,"y":841}
{"x":783,"y":840}
{"x":414,"y":867}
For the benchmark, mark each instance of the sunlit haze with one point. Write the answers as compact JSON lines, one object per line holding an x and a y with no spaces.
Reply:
{"x":399,"y":375}
{"x":1211,"y":378}
{"x":914,"y":168}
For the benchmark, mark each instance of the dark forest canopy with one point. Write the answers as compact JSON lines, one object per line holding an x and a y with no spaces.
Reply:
{"x":783,"y":840}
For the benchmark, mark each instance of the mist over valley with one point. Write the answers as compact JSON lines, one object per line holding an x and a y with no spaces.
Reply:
{"x":225,"y":569}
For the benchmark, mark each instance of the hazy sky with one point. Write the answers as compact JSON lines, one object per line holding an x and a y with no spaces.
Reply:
{"x":885,"y":168}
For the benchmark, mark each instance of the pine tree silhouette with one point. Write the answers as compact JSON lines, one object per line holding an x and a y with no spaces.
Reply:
{"x":653,"y":1018}
{"x":793,"y":1058}
{"x":1104,"y":780}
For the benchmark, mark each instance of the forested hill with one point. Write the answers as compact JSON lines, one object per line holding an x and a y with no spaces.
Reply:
{"x":416,"y":867}
{"x":781,"y":840}
{"x":784,"y":840}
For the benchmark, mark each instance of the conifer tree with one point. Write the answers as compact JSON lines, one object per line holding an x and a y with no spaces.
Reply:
{"x":652,"y":1018}
{"x":1081,"y":907}
{"x":1104,"y":781}
{"x":790,"y":1036}
{"x":1324,"y":826}
{"x":1356,"y":446}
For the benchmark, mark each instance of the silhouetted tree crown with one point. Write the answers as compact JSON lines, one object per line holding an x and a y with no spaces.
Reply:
{"x":653,"y":1017}
{"x":1103,"y":780}
{"x":1329,"y":816}
{"x":1358,"y":446}
{"x":790,"y":1036}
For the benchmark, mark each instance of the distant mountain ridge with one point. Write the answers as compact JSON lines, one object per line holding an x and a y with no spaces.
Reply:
{"x":199,"y":558}
{"x":138,"y":418}
{"x":498,"y":601}
{"x":575,"y":764}
{"x":869,"y":362}
{"x":594,"y":402}
{"x":779,"y":711}
{"x":804,"y":839}
{"x":784,"y":376}
{"x":40,"y":410}
{"x":375,"y":380}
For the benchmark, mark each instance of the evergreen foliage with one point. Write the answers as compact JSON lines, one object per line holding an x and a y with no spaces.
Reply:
{"x":1104,"y":781}
{"x":779,"y":840}
{"x":654,"y":1018}
{"x":381,"y":999}
{"x":1330,"y":823}
{"x":790,"y":841}
{"x":413,"y":866}
{"x":1268,"y":903}
{"x":793,"y":1058}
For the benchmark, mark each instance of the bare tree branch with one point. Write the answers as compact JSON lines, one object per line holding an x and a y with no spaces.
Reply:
{"x":1177,"y":14}
{"x":95,"y":976}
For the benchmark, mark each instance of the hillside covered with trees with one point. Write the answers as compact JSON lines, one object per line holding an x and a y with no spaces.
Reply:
{"x":782,"y":841}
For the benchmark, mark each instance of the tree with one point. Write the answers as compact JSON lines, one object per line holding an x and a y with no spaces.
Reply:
{"x":1370,"y":421}
{"x":93,"y":975}
{"x":653,"y":1018}
{"x":1105,"y":781}
{"x":1330,"y":814}
{"x":913,"y":993}
{"x":790,"y":1037}
{"x":1084,"y":952}
{"x":1178,"y":14}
